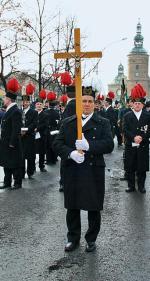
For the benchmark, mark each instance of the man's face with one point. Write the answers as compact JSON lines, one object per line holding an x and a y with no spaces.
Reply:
{"x":87,"y":104}
{"x":106,"y":104}
{"x":137,"y":106}
{"x":96,"y":105}
{"x":6,"y":101}
{"x":25,"y":104}
{"x":38,"y":106}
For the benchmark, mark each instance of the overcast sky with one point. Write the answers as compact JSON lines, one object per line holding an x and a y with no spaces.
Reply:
{"x":105,"y":23}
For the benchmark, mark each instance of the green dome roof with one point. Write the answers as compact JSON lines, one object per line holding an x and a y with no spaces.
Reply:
{"x":138,"y":42}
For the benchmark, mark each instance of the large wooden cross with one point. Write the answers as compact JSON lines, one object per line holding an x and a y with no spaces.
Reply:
{"x":78,"y":55}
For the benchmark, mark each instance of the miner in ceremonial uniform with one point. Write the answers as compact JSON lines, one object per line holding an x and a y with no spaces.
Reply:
{"x":84,"y":172}
{"x":53,"y":121}
{"x":29,"y":120}
{"x":41,"y":130}
{"x":70,"y":108}
{"x":136,"y":130}
{"x":109,"y":111}
{"x":10,"y":143}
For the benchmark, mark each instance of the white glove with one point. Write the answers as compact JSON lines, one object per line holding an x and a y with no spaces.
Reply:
{"x":77,"y":157}
{"x":82,"y":144}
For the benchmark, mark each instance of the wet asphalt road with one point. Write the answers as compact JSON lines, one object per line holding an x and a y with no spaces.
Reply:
{"x":33,"y":232}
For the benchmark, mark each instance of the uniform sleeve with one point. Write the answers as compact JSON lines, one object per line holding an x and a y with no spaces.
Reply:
{"x":59,"y":145}
{"x":16,"y":128}
{"x":33,"y":124}
{"x":128,"y":134}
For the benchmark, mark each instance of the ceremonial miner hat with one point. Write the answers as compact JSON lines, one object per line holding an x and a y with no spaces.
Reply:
{"x":138,"y":93}
{"x":110,"y":96}
{"x":70,"y":91}
{"x":88,"y":91}
{"x":51,"y":98}
{"x":100,"y":97}
{"x":13,"y":88}
{"x":63,"y":100}
{"x":29,"y":90}
{"x":42,"y":96}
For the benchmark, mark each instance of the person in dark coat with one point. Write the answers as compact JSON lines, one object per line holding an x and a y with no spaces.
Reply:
{"x":41,"y":133}
{"x":70,"y":109}
{"x":84,"y":176}
{"x":110,"y":113}
{"x":53,"y":123}
{"x":136,"y":129}
{"x":10,"y":143}
{"x":30,"y":117}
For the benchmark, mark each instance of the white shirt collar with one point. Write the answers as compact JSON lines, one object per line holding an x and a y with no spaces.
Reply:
{"x":137,"y":114}
{"x":107,"y":107}
{"x":87,"y":118}
{"x":26,"y":109}
{"x":11,"y":105}
{"x":69,"y":99}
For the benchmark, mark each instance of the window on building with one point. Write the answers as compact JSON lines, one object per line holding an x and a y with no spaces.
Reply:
{"x":137,"y":67}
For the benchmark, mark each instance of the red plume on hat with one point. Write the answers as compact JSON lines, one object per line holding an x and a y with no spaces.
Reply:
{"x":66,"y":78}
{"x":138,"y":92}
{"x":30,"y":88}
{"x":111,"y":95}
{"x":100,"y":97}
{"x":13,"y":86}
{"x":63,"y":99}
{"x":51,"y":96}
{"x":42,"y":94}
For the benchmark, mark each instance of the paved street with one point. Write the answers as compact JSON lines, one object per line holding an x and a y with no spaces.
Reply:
{"x":33,"y":232}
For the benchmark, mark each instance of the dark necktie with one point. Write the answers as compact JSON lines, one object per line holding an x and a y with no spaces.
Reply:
{"x":84,"y":117}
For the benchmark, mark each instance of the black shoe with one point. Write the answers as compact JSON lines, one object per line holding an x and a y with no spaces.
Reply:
{"x":142,"y":190}
{"x":30,"y":177}
{"x":5,"y":186}
{"x":43,"y":170}
{"x":71,"y":246}
{"x":61,"y":188}
{"x":90,"y":247}
{"x":16,"y":186}
{"x":130,"y":189}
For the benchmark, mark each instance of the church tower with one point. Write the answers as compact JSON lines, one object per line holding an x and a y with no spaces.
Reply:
{"x":138,"y":63}
{"x":115,"y":86}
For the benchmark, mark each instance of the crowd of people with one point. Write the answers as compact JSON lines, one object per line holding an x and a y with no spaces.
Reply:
{"x":49,"y":129}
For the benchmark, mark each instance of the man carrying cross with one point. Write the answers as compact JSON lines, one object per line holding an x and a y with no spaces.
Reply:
{"x":82,"y":155}
{"x":84,"y":178}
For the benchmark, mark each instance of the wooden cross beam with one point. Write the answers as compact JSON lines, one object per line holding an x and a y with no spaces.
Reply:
{"x":78,"y":55}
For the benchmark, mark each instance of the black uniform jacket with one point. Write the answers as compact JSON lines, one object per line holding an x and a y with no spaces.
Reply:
{"x":84,"y":184}
{"x":42,"y":128}
{"x":11,"y":157}
{"x":111,"y":116}
{"x":53,"y":124}
{"x":28,"y":140}
{"x":136,"y":159}
{"x":70,"y":109}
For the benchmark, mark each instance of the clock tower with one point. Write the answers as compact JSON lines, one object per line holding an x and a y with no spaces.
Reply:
{"x":138,"y":62}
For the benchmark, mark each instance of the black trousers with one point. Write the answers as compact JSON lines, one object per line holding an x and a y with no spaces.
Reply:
{"x":61,"y":182}
{"x":30,"y":166}
{"x":41,"y":160}
{"x":16,"y":173}
{"x":73,"y":220}
{"x":141,"y":177}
